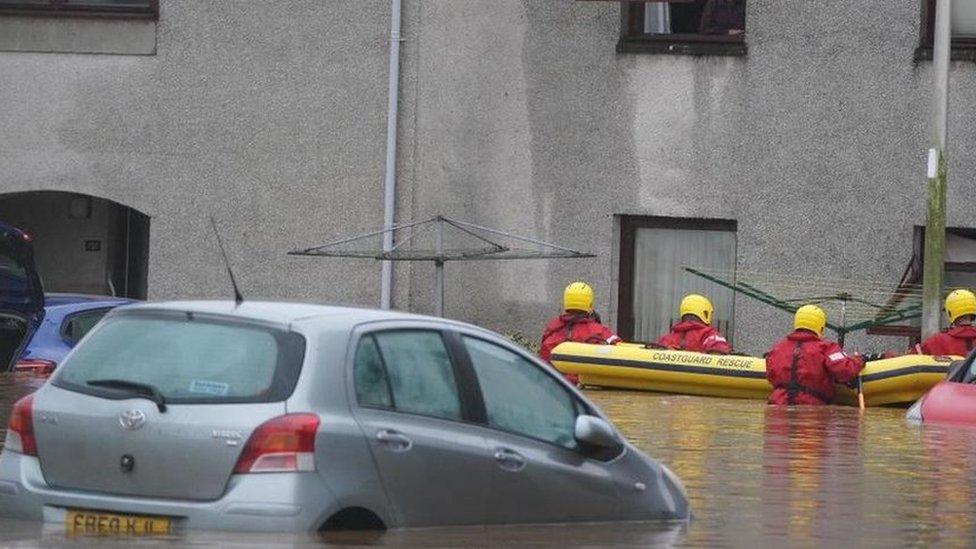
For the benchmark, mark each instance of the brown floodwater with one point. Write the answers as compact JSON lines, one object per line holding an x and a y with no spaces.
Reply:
{"x":755,"y":475}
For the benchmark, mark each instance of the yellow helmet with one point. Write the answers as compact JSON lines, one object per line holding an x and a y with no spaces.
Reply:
{"x":698,"y":305}
{"x":578,"y":296}
{"x":810,"y":317}
{"x":960,"y":303}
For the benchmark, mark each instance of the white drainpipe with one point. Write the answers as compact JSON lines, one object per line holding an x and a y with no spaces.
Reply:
{"x":389,"y":183}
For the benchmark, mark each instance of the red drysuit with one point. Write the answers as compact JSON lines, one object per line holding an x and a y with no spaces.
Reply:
{"x":693,"y":335}
{"x":954,"y":340}
{"x":578,"y":327}
{"x":802,"y":368}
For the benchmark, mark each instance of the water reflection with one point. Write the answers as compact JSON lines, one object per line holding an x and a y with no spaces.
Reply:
{"x":756,"y":475}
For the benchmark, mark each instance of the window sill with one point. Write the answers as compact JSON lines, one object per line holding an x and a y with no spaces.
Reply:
{"x":698,"y":46}
{"x":960,"y":52}
{"x":83,"y":35}
{"x":100,"y":12}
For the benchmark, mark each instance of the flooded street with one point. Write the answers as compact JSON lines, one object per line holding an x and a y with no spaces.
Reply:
{"x":754,"y":475}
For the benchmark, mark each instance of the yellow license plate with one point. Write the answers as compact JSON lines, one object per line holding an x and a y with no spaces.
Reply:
{"x":94,"y":522}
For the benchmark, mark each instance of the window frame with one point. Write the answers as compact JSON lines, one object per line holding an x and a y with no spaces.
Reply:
{"x":914,"y":333}
{"x":58,"y":8}
{"x":582,"y":407}
{"x":633,"y":39}
{"x":961,"y":49}
{"x":472,"y":409}
{"x":625,"y":266}
{"x":68,"y":318}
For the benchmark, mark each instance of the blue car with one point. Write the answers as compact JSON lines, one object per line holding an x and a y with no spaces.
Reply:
{"x":66,"y":319}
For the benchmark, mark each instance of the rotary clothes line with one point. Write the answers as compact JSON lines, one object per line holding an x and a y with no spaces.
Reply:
{"x":441,"y":239}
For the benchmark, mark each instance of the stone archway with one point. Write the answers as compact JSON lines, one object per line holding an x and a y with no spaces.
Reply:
{"x":82,"y":243}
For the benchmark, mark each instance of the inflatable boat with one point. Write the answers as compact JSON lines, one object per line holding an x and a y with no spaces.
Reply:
{"x":900,"y":380}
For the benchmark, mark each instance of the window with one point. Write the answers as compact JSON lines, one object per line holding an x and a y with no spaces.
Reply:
{"x":520,"y":397}
{"x":654,"y":255}
{"x":188,"y":359}
{"x":372,"y":384}
{"x":77,"y":325}
{"x":963,"y":30}
{"x":414,"y":370}
{"x":690,"y":27}
{"x":960,"y":272}
{"x":148,"y":9}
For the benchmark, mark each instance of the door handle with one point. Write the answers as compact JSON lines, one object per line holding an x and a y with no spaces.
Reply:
{"x":395,"y":439}
{"x":509,"y":460}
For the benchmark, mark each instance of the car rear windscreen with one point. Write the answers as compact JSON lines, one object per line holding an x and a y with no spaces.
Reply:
{"x":189,"y":359}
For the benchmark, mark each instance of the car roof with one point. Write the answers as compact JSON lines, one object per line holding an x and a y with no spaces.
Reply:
{"x":284,"y":312}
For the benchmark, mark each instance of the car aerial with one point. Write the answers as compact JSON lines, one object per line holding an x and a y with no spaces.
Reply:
{"x":295,"y":417}
{"x":952,"y":400}
{"x":66,"y":319}
{"x":21,"y":294}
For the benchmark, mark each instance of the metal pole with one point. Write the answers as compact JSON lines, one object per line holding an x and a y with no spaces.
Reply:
{"x":439,"y":270}
{"x":389,"y":182}
{"x":843,"y":321}
{"x":934,"y":260}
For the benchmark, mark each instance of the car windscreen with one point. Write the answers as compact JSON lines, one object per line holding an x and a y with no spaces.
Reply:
{"x":188,"y":358}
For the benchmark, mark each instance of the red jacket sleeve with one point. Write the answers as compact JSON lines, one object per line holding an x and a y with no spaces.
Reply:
{"x":608,"y":335}
{"x":716,"y":343}
{"x":842,"y":367}
{"x":668,"y":341}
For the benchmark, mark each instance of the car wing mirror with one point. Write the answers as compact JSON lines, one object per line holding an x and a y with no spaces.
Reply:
{"x":594,"y":431}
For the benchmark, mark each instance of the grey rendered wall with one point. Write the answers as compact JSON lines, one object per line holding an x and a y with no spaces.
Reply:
{"x":271,"y":115}
{"x":525,"y":118}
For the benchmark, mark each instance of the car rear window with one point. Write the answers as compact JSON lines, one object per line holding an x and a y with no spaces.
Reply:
{"x":189,"y":359}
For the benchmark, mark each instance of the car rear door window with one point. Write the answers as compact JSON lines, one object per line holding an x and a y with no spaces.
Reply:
{"x":372,"y":384}
{"x":420,"y":373}
{"x":520,"y":397}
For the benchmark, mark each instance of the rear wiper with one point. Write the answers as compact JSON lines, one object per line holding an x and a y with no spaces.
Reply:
{"x":144,"y":389}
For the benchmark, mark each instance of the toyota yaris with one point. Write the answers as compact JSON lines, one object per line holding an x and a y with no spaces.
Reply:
{"x":292,"y":417}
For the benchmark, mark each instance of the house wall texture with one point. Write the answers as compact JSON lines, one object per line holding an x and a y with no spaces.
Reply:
{"x":516,"y":114}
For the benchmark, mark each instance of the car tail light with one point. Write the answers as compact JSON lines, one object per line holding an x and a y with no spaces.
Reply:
{"x":35,"y":366}
{"x":283,"y":444}
{"x":20,"y":430}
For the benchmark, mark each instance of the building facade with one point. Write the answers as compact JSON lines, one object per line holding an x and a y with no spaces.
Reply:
{"x":634,"y":131}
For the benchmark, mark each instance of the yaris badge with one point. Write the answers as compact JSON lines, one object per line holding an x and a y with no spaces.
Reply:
{"x":132,"y":420}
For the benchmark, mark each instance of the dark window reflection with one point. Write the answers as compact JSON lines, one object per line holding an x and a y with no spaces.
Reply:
{"x":715,"y":17}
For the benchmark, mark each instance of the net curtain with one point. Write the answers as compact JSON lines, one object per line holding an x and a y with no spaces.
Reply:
{"x":660,"y":281}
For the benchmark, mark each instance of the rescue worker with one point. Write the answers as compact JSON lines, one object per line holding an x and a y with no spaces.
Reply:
{"x":958,"y":338}
{"x":577,"y":323}
{"x":803,"y":368}
{"x":695,"y":332}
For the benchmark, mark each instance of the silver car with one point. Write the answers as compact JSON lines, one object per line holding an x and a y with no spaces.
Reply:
{"x":293,"y":417}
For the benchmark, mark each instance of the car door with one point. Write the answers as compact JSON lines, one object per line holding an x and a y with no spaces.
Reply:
{"x":540,"y":474}
{"x":434,"y":466}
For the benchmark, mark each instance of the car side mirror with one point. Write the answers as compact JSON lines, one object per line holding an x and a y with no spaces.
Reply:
{"x":593,"y":431}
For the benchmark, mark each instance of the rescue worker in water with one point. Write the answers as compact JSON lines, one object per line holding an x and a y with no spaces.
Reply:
{"x":695,"y":332}
{"x":803,"y":368}
{"x":958,"y":338}
{"x":577,"y":323}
